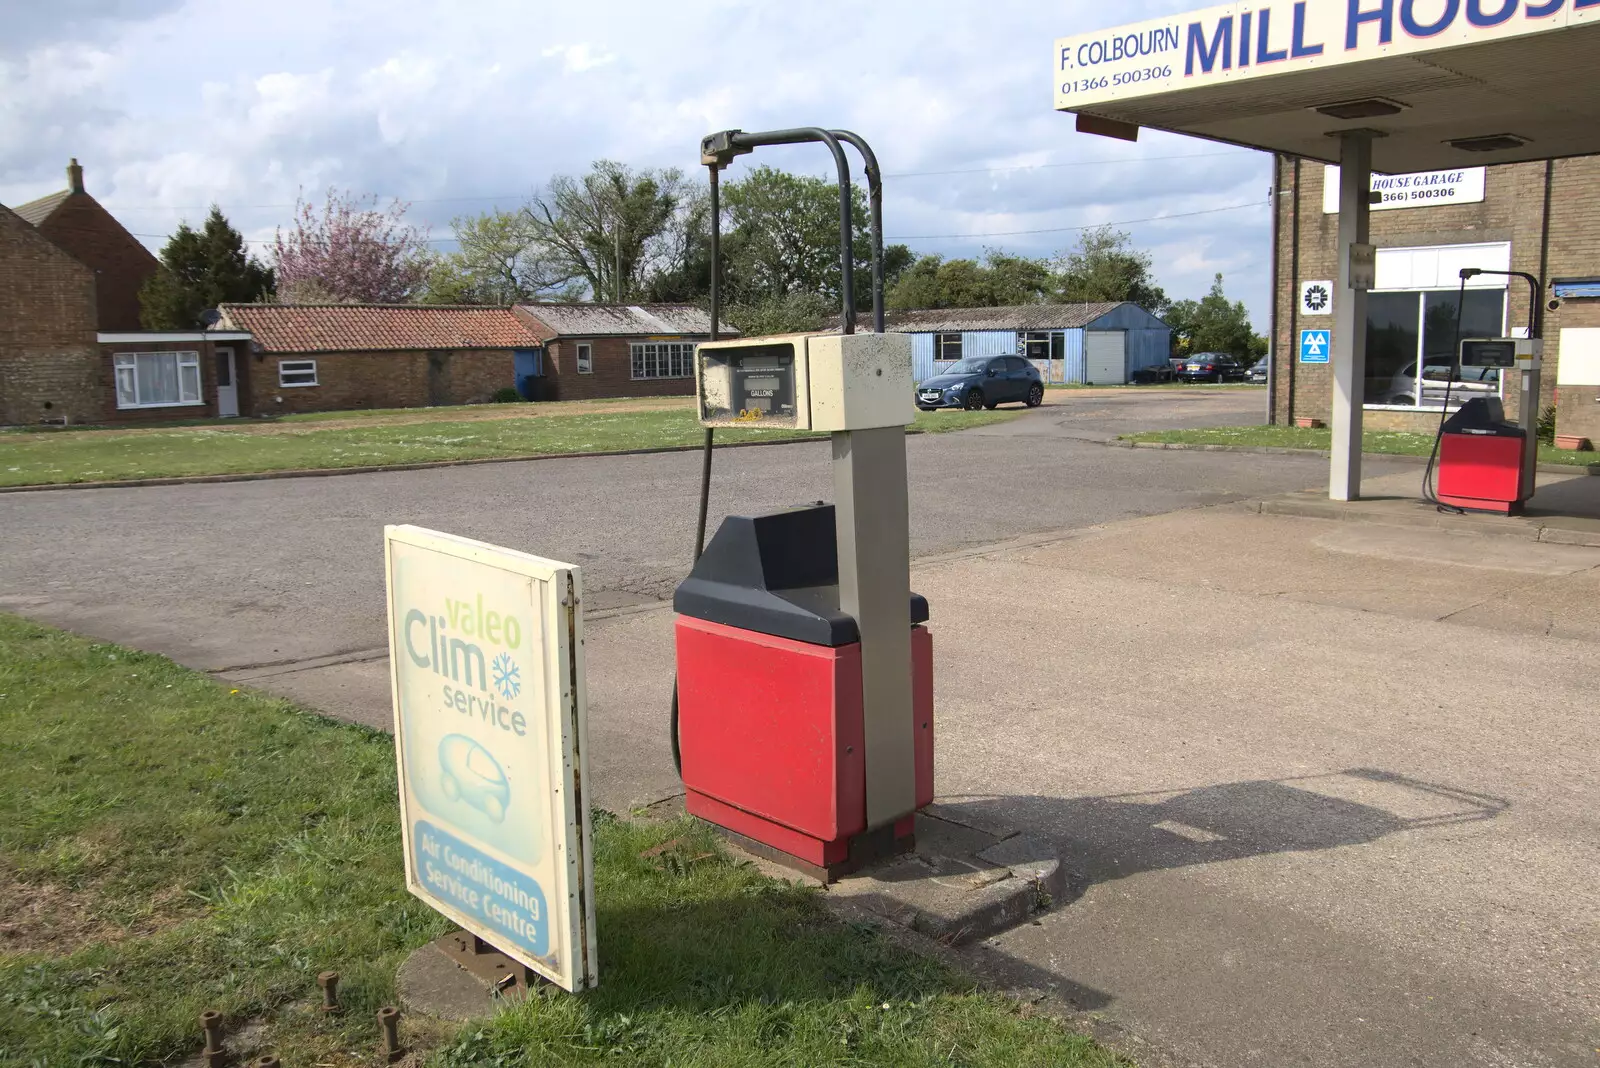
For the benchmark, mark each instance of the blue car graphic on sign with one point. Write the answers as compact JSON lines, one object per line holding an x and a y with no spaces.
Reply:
{"x":470,"y":775}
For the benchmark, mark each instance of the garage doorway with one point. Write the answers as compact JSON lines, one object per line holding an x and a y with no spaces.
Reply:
{"x":1106,"y":357}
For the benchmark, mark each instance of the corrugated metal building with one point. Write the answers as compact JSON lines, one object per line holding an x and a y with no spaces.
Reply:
{"x":1080,"y":344}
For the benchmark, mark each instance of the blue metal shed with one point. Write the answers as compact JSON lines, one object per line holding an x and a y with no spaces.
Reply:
{"x":1081,"y":344}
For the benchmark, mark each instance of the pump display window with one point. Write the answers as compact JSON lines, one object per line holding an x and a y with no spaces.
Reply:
{"x":1411,"y":328}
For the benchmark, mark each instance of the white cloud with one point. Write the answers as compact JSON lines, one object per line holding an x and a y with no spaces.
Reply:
{"x":459,"y":107}
{"x":575,"y":59}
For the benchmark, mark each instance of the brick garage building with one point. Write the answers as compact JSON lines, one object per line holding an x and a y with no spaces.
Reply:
{"x":330,"y":357}
{"x":333,"y":357}
{"x":618,"y":350}
{"x":68,"y":271}
{"x":1543,"y":218}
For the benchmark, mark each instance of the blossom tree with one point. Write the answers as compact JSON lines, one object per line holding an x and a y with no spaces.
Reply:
{"x":350,"y":251}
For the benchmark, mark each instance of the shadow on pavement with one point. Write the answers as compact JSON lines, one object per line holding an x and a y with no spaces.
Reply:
{"x":1110,"y":837}
{"x":1575,"y":497}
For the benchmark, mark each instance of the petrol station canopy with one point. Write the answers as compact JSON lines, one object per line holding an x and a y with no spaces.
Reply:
{"x":1441,"y":83}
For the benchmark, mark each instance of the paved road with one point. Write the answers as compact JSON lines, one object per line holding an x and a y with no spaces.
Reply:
{"x":225,"y":575}
{"x":1356,"y":828}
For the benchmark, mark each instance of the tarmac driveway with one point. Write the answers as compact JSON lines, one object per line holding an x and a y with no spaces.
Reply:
{"x":1328,"y":793}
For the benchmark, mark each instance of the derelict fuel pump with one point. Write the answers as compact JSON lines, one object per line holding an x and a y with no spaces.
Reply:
{"x":1484,"y":463}
{"x":803,"y":709}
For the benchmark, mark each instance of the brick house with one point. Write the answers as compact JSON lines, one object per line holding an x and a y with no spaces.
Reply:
{"x":618,"y":350}
{"x":1543,"y":218}
{"x":332,"y":357}
{"x":68,"y":272}
{"x":76,"y":222}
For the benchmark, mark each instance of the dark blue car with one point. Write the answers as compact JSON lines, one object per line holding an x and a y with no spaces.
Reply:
{"x":982,"y":382}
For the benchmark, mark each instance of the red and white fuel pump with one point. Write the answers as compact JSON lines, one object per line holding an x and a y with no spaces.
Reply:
{"x":803,"y":709}
{"x":1481,"y":462}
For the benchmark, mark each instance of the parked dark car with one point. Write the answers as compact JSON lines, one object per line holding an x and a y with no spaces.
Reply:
{"x":1211,"y":367}
{"x":1257,"y":375}
{"x":1149,"y":376}
{"x":982,"y":382}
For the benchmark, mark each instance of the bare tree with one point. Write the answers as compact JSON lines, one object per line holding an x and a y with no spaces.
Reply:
{"x":613,"y":228}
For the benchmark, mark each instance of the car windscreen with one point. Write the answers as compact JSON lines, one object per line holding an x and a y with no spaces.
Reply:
{"x":974,"y":366}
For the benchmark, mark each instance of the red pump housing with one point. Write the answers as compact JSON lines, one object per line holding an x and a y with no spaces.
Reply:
{"x":1480,"y":460}
{"x":771,"y":724}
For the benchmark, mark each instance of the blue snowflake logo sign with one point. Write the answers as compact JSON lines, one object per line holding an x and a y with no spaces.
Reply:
{"x":507,"y":676}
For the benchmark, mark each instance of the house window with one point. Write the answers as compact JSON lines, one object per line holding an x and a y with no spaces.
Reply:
{"x":157,"y":379}
{"x":947,"y":347}
{"x":297,"y":373}
{"x":662,"y":359}
{"x":586,"y":360}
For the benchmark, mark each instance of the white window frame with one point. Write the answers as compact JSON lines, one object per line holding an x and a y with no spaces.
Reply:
{"x":652,"y":360}
{"x":585,"y":358}
{"x":1419,"y":403}
{"x":296,"y":367}
{"x":125,"y":372}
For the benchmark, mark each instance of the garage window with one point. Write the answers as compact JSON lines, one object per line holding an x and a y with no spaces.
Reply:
{"x":947,"y":347}
{"x":1405,"y":328}
{"x":157,"y":379}
{"x":663,"y":359}
{"x":297,"y":373}
{"x":585,"y":359}
{"x":1035,"y":345}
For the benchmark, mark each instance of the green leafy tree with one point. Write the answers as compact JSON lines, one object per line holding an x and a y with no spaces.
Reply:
{"x":788,"y":314}
{"x":612,"y":229}
{"x":783,"y":238}
{"x":998,"y":280}
{"x":499,"y":259}
{"x":201,"y":269}
{"x":1106,"y":267}
{"x":682,"y":273}
{"x":1213,"y":324}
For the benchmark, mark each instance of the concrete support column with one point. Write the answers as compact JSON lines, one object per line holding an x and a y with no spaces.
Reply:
{"x":872,"y":518}
{"x":1349,"y":356}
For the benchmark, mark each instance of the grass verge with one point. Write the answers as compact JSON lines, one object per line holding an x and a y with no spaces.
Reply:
{"x":168,"y":844}
{"x":103,"y":455}
{"x":1391,"y":442}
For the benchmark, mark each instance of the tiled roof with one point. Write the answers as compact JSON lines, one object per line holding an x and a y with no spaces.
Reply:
{"x":1015,"y":317}
{"x":35,"y":212}
{"x":632,"y":320}
{"x":377,"y":327}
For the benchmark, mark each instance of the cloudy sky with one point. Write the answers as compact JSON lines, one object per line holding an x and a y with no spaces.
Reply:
{"x":458,"y":106}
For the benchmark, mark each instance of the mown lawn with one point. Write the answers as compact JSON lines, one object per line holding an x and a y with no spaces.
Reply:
{"x":168,"y":845}
{"x":1392,"y":442}
{"x":105,"y":455}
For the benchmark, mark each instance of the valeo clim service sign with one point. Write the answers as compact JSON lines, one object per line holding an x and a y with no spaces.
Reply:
{"x":486,"y":659}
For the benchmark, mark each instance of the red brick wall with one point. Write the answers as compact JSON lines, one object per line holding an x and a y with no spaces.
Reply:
{"x":48,"y":367}
{"x":357,"y":380}
{"x":1574,"y":253}
{"x":121,"y":264}
{"x":613,"y":371}
{"x":1512,"y":210}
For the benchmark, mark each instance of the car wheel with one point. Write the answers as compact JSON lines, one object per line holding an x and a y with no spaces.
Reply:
{"x":974,"y":399}
{"x":452,"y":789}
{"x":1035,"y":395}
{"x":494,"y":809}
